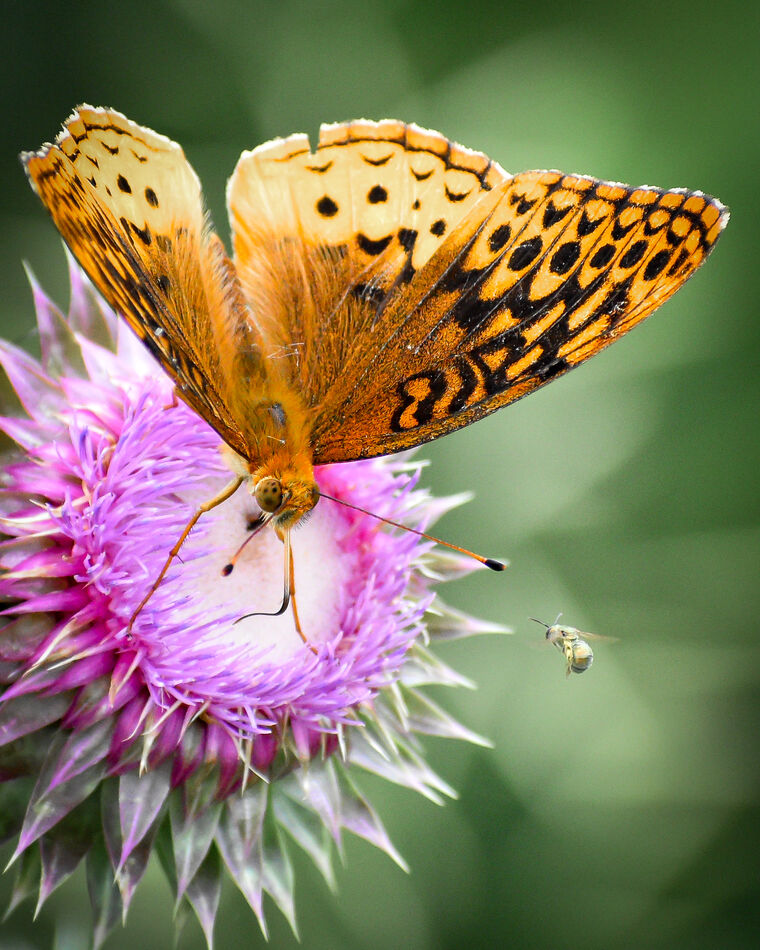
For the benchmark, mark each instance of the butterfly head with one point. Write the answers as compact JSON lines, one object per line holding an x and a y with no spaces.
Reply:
{"x":285,"y":492}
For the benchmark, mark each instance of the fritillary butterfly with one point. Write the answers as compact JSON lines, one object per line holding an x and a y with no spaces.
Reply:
{"x":387,"y":288}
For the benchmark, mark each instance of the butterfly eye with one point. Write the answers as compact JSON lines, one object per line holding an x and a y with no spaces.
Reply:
{"x":268,"y":494}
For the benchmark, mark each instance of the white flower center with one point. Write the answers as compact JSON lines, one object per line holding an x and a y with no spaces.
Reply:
{"x":256,"y":584}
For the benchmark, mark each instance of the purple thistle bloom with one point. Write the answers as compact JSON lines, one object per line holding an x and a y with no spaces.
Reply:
{"x":188,"y":734}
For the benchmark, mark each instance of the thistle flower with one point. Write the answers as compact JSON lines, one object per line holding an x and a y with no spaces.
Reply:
{"x":203,"y":739}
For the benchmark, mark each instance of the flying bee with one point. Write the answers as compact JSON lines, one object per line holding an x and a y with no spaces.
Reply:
{"x":572,"y":643}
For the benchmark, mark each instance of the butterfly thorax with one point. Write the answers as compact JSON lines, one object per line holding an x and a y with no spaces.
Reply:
{"x":277,"y":459}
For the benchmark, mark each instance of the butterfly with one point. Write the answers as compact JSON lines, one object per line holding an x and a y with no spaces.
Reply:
{"x":386,"y":289}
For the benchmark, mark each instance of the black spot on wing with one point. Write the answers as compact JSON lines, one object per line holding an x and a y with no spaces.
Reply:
{"x":552,"y":215}
{"x":656,"y":265}
{"x":523,"y":204}
{"x":319,"y":169}
{"x":151,"y":197}
{"x":377,"y":161}
{"x":455,"y":195}
{"x":526,"y":253}
{"x":327,"y":207}
{"x":619,"y":230}
{"x":603,"y":256}
{"x":588,"y":225}
{"x":634,"y":254}
{"x":435,"y":382}
{"x":468,"y":382}
{"x":377,"y":194}
{"x":564,"y":258}
{"x":142,"y":233}
{"x":373,"y":247}
{"x":674,"y":268}
{"x":471,"y":311}
{"x":369,"y":292}
{"x":499,"y":237}
{"x":407,"y":238}
{"x":616,"y":302}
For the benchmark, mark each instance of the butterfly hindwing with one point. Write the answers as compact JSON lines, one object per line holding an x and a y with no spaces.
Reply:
{"x":324,"y":240}
{"x":129,"y":206}
{"x":546,"y":272}
{"x":368,"y":188}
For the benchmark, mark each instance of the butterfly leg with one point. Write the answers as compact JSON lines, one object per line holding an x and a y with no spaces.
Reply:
{"x":223,"y":495}
{"x":174,"y":401}
{"x":292,"y":593}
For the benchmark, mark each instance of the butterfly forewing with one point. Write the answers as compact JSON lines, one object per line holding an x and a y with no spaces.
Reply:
{"x":538,"y":277}
{"x":129,"y":206}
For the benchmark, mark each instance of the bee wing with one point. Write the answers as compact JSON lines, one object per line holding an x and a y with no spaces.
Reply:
{"x":598,"y":637}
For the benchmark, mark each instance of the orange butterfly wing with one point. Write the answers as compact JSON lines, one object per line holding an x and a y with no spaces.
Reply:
{"x":129,"y":206}
{"x":539,"y":277}
{"x":323,"y":242}
{"x":422,"y":287}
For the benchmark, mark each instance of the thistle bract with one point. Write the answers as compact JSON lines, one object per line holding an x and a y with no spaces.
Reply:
{"x":196,"y":736}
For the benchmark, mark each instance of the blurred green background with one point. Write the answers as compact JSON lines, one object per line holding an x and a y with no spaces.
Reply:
{"x":621,"y":808}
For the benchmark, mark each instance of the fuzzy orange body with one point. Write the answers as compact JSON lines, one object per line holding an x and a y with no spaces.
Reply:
{"x":294,"y":476}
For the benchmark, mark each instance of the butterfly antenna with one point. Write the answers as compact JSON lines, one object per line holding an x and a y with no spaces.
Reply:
{"x":488,"y":561}
{"x":254,"y":527}
{"x":546,"y":625}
